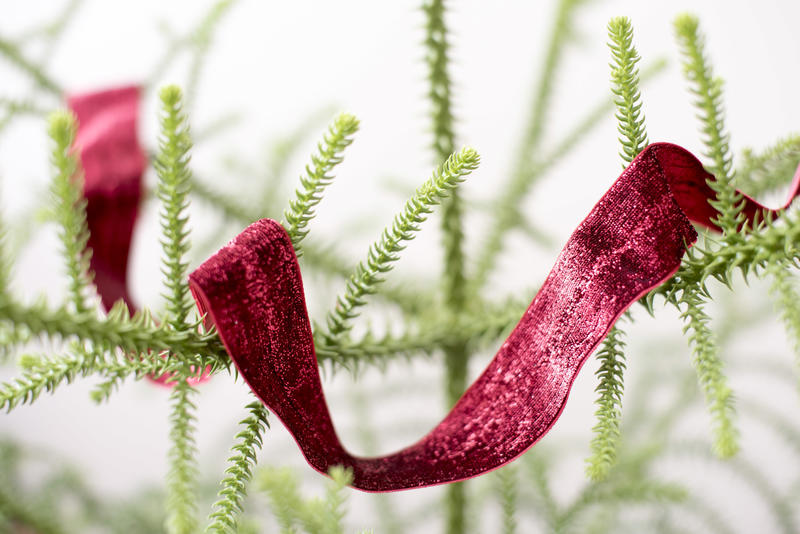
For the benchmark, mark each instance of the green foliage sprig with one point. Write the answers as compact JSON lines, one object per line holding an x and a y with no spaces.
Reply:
{"x":313,"y":516}
{"x":772,"y":169}
{"x":383,"y":253}
{"x":70,"y":208}
{"x":182,"y":477}
{"x":317,"y":177}
{"x":710,"y":375}
{"x":225,"y":517}
{"x":707,"y":90}
{"x":625,"y":86}
{"x":172,"y":166}
{"x":630,"y":125}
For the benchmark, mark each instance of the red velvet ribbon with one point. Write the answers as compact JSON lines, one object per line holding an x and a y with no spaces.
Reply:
{"x":113,"y":163}
{"x":631,"y":241}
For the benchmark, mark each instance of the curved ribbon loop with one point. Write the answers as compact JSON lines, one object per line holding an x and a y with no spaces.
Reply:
{"x":630,"y":242}
{"x":113,"y":163}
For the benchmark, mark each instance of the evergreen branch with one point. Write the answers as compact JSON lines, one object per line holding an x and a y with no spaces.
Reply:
{"x":439,"y":95}
{"x":182,"y":476}
{"x":785,"y":291}
{"x":17,"y":515}
{"x":561,"y":34}
{"x":709,"y":373}
{"x":281,"y":488}
{"x":70,"y":207}
{"x":537,"y":468}
{"x":506,"y":482}
{"x":323,"y":258}
{"x":773,"y":243}
{"x":116,"y":370}
{"x":201,"y":38}
{"x":377,"y":350}
{"x":43,"y":374}
{"x":707,"y":90}
{"x":27,"y":107}
{"x":225,"y":517}
{"x":316,"y":516}
{"x":224,"y":203}
{"x":172,"y":166}
{"x":382,"y":254}
{"x":317,"y":177}
{"x":136,"y":335}
{"x":754,"y":476}
{"x":770,"y":170}
{"x":453,"y":277}
{"x":634,"y":491}
{"x":625,"y":86}
{"x":506,"y":214}
{"x":383,"y":505}
{"x":630,"y":125}
{"x":11,"y":335}
{"x":46,"y":374}
{"x":335,"y":498}
{"x":609,"y":406}
{"x":439,"y":89}
{"x":15,"y":56}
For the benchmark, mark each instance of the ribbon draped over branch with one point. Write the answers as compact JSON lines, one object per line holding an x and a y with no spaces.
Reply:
{"x":631,"y":241}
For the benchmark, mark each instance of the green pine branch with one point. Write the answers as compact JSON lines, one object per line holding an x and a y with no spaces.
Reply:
{"x":562,"y":32}
{"x":442,"y":122}
{"x":225,"y":517}
{"x":625,"y":86}
{"x":453,"y":275}
{"x":172,"y":167}
{"x":785,"y":292}
{"x":292,"y":511}
{"x":183,"y":471}
{"x":43,"y":374}
{"x":710,"y":375}
{"x":280,"y":485}
{"x":506,"y":481}
{"x":707,"y":90}
{"x":70,"y":207}
{"x":770,"y":170}
{"x":137,"y":335}
{"x":386,"y":251}
{"x":201,"y":39}
{"x":528,"y":164}
{"x":630,"y":125}
{"x":775,"y":242}
{"x":15,"y":56}
{"x":317,"y":177}
{"x":609,"y":406}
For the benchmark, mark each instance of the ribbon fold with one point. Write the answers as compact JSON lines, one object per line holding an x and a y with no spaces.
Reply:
{"x":631,"y":241}
{"x":113,"y":163}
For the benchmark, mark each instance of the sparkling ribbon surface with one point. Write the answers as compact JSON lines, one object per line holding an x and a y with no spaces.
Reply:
{"x":631,"y":241}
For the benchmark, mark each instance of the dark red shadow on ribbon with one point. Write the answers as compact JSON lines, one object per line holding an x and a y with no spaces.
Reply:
{"x":113,"y":163}
{"x":630,"y":242}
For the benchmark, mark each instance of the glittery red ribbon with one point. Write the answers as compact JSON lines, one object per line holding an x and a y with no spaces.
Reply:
{"x":630,"y":242}
{"x":113,"y":164}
